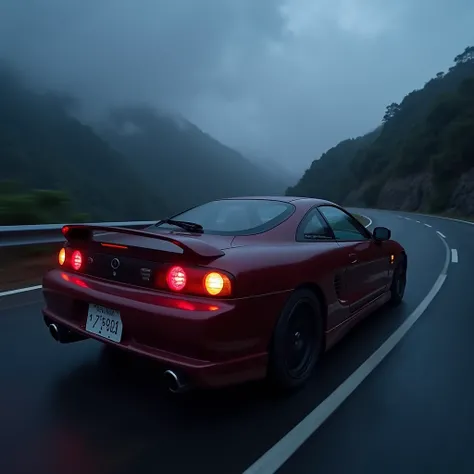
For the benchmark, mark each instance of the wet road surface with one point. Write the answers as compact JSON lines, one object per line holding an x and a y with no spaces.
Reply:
{"x":67,"y":409}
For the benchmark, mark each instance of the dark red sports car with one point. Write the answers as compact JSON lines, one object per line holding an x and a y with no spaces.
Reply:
{"x":233,"y":290}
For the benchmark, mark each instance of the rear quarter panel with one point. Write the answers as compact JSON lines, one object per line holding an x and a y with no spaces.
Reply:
{"x":281,"y":268}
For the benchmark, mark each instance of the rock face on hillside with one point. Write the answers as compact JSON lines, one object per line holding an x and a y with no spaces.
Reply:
{"x":462,"y":198}
{"x":415,"y":193}
{"x":420,"y":159}
{"x":411,"y":193}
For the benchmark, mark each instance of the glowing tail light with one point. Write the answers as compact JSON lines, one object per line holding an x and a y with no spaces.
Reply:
{"x":176,"y":278}
{"x":199,"y":281}
{"x":216,"y":283}
{"x":62,"y":256}
{"x":76,"y":260}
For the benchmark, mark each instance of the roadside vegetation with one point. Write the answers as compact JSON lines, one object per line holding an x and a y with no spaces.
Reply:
{"x":38,"y":206}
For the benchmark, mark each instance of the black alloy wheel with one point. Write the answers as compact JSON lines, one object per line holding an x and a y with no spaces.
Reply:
{"x":399,"y":282}
{"x":297,"y":340}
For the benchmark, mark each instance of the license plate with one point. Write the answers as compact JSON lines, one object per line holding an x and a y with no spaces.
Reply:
{"x":104,"y":322}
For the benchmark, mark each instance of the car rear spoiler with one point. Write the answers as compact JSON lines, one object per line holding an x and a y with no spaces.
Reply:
{"x":191,"y":247}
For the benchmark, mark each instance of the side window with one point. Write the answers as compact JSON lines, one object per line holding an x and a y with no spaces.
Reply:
{"x":313,"y":228}
{"x":343,"y":225}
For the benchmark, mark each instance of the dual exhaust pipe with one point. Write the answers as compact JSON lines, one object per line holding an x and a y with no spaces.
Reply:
{"x":54,"y":331}
{"x":173,"y":381}
{"x":63,"y":335}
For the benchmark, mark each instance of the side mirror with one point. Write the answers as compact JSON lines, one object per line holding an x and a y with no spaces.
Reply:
{"x":381,"y":233}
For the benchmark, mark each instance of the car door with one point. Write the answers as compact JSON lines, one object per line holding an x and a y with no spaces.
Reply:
{"x":314,"y":231}
{"x":365,"y":279}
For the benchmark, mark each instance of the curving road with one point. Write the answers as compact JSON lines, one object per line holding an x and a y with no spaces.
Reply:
{"x":386,"y":407}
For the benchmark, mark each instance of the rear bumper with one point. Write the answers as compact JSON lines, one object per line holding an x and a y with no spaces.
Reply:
{"x":213,"y":343}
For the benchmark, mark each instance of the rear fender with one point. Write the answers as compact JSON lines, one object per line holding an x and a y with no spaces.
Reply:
{"x":266,"y":272}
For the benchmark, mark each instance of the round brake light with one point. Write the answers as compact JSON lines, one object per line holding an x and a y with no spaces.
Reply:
{"x":214,"y":283}
{"x":176,"y":278}
{"x":62,"y":256}
{"x":76,"y":260}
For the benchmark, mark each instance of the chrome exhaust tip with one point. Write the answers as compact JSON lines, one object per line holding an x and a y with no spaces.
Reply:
{"x":64,"y":336}
{"x":173,"y":382}
{"x":54,"y":331}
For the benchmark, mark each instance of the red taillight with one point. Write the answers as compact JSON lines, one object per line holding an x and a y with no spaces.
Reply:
{"x":199,"y":281}
{"x":76,"y":260}
{"x":69,"y":258}
{"x":176,"y":278}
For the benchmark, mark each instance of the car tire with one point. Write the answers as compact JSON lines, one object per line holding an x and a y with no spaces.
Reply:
{"x":298,"y":334}
{"x":399,"y":281}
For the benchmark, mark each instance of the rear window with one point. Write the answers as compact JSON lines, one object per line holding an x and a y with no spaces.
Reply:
{"x":236,"y":216}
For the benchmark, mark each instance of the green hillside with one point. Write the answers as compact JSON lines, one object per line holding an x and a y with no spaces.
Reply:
{"x":420,"y":159}
{"x":141,"y":165}
{"x":42,"y":147}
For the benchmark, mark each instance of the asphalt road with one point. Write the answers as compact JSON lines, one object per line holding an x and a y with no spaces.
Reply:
{"x":66,"y":409}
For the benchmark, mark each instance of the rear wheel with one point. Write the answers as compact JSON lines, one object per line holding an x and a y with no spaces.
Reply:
{"x":399,"y":281}
{"x":297,"y":340}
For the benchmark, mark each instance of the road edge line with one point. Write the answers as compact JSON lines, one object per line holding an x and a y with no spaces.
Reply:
{"x":369,"y":219}
{"x":20,"y":290}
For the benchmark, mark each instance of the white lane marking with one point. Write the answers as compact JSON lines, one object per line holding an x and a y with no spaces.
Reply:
{"x":447,"y":219}
{"x":427,"y":225}
{"x":407,"y":218}
{"x":20,"y":290}
{"x":439,"y":233}
{"x":454,"y":256}
{"x":277,"y":455}
{"x":418,"y":222}
{"x":369,"y":219}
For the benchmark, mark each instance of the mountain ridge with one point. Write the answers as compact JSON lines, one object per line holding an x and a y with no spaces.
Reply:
{"x":128,"y":175}
{"x":420,"y":159}
{"x":186,"y":158}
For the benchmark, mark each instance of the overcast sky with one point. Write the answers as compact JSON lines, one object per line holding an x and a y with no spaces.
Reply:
{"x":286,"y":78}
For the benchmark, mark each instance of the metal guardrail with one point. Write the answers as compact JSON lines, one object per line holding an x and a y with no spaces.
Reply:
{"x":18,"y":235}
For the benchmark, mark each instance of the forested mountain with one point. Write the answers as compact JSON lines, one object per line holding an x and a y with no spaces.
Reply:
{"x":421,"y":158}
{"x":142,"y":165}
{"x":43,"y":147}
{"x":331,"y":177}
{"x":182,"y":162}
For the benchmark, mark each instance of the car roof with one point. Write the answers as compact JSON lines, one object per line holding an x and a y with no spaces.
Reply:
{"x":306,"y":200}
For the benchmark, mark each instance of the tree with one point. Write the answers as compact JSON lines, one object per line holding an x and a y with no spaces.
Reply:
{"x":390,"y":112}
{"x":466,"y":56}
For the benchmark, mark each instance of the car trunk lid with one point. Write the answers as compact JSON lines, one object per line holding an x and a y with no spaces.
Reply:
{"x":137,"y":256}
